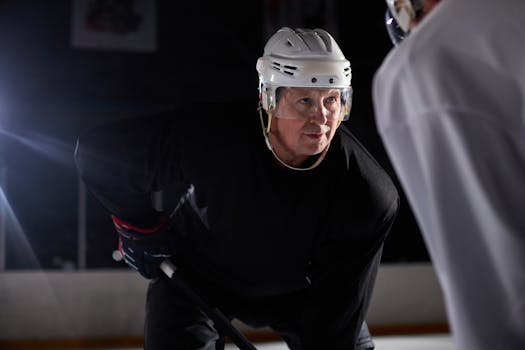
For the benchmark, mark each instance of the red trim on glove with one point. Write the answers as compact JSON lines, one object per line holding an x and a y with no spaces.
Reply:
{"x":127,"y":226}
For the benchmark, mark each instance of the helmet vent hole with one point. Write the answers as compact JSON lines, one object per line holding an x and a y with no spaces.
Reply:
{"x":314,"y":80}
{"x":289,"y":43}
{"x":286,"y":69}
{"x":331,"y":81}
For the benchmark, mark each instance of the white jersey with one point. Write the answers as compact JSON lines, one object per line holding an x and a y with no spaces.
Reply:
{"x":450,"y":108}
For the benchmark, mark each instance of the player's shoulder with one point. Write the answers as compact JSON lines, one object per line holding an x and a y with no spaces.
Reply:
{"x":356,"y":155}
{"x":350,"y":143}
{"x":363,"y":168}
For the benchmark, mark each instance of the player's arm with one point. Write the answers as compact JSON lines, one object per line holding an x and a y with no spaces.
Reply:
{"x":122,"y":163}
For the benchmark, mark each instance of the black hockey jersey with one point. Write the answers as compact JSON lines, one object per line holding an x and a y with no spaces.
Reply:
{"x":249,"y":225}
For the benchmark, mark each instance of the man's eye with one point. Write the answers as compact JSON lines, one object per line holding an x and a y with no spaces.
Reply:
{"x":304,"y":101}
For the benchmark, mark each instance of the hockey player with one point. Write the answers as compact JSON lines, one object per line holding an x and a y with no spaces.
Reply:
{"x":449,"y":102}
{"x":284,"y":213}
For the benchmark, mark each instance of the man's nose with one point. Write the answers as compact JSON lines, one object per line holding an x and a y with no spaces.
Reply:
{"x":319,"y":114}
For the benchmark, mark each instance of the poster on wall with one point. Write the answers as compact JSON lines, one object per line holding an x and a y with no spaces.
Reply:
{"x":114,"y":25}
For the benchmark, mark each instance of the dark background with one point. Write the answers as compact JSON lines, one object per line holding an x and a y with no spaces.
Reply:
{"x":50,"y":91}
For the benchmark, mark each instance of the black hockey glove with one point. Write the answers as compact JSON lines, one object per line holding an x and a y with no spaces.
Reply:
{"x":144,"y":249}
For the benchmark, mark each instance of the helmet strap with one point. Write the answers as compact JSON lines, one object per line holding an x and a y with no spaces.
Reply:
{"x":265,"y":128}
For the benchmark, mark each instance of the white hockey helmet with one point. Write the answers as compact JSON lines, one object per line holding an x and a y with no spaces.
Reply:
{"x":307,"y":58}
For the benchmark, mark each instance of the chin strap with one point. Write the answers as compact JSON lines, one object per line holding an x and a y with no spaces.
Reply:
{"x":266,"y":132}
{"x":265,"y":129}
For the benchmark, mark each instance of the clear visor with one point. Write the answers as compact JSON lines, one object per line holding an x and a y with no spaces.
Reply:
{"x":308,"y":103}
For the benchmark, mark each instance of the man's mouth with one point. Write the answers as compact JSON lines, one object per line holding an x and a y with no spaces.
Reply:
{"x":318,"y":132}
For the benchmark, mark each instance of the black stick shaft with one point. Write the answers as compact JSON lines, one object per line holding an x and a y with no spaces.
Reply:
{"x":221,"y":321}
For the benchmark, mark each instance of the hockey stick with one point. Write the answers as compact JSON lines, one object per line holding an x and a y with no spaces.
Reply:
{"x":218,"y":318}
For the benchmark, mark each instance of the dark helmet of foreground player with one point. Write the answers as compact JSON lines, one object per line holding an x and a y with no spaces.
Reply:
{"x":402,"y":16}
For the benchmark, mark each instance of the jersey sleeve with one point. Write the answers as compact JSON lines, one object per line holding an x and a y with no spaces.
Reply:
{"x":123,"y":162}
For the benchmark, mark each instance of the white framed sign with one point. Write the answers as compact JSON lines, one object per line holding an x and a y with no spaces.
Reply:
{"x":114,"y":25}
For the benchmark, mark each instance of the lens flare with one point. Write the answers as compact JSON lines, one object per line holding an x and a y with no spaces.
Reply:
{"x":10,"y":228}
{"x":53,"y":149}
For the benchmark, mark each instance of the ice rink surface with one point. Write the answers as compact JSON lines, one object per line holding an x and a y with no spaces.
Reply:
{"x":417,"y":342}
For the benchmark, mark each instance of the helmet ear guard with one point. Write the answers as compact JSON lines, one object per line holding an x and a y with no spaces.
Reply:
{"x":266,"y":97}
